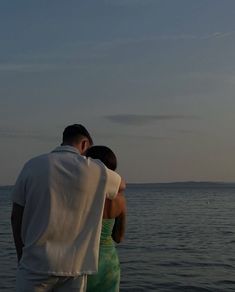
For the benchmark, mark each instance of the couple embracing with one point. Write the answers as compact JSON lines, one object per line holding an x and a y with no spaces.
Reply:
{"x":68,"y":207}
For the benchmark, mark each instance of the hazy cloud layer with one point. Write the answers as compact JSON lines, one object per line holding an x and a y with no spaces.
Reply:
{"x":112,"y":136}
{"x":28,"y":135}
{"x":138,"y":120}
{"x":189,"y":132}
{"x":67,"y":55}
{"x":163,"y":37}
{"x":45,"y":137}
{"x":27,"y":67}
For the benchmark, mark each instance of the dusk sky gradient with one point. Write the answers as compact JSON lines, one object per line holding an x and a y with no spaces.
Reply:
{"x":152,"y":79}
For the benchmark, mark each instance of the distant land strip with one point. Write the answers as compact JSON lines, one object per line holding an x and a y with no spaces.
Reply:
{"x":186,"y":184}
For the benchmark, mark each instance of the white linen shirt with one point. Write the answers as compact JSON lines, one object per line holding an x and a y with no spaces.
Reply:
{"x":63,"y":196}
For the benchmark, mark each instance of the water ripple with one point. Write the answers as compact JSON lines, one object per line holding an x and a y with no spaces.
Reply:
{"x":176,"y":240}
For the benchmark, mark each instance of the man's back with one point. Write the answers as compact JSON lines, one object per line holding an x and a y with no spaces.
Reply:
{"x":63,"y":195}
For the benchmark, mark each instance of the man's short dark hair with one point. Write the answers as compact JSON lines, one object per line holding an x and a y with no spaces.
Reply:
{"x":73,"y":133}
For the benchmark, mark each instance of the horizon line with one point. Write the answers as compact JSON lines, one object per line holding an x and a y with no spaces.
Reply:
{"x":170,"y":182}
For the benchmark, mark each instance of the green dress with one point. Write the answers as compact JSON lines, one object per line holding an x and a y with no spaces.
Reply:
{"x":108,"y":277}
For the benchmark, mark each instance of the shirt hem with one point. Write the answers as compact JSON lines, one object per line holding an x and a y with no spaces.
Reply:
{"x":62,"y":274}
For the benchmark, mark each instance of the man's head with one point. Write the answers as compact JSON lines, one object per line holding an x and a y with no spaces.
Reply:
{"x":77,"y":136}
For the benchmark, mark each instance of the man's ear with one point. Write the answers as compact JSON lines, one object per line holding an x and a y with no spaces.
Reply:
{"x":84,"y":146}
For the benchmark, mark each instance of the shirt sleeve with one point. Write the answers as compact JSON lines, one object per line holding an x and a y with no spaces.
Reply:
{"x":113,"y":184}
{"x":18,"y":193}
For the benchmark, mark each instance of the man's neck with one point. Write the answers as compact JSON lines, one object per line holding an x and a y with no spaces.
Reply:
{"x":72,"y":145}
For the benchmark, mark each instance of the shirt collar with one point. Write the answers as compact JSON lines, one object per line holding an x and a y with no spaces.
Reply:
{"x":66,"y":148}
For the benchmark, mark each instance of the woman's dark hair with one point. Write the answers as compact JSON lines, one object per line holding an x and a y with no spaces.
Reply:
{"x":104,"y":154}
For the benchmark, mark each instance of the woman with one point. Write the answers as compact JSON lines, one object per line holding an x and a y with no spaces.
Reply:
{"x":113,"y":227}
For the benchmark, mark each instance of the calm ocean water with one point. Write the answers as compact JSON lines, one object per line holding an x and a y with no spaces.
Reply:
{"x":178,"y":239}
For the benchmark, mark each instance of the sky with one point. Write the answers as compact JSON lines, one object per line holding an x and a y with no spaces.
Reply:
{"x":152,"y":79}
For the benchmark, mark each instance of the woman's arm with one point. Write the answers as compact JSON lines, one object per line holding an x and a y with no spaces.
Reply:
{"x":120,"y":221}
{"x":122,"y":186}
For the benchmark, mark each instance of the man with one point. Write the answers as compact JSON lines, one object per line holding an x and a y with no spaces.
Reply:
{"x":58,"y":201}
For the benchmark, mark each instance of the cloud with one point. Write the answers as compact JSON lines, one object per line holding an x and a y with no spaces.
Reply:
{"x":110,"y":44}
{"x":189,"y":132}
{"x":34,"y":135}
{"x":26,"y":67}
{"x":67,"y":54}
{"x":123,"y":137}
{"x":218,"y":35}
{"x":139,"y":120}
{"x":124,"y":3}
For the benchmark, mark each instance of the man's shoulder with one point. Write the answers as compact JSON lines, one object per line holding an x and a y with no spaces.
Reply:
{"x":37,"y":159}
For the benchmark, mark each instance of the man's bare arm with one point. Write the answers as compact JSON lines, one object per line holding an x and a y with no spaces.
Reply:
{"x":16,"y":223}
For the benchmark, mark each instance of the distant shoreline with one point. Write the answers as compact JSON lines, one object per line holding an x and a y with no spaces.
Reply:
{"x":170,"y":184}
{"x":186,"y":184}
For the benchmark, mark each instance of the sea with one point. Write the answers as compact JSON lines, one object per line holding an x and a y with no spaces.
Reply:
{"x":179,"y":237}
